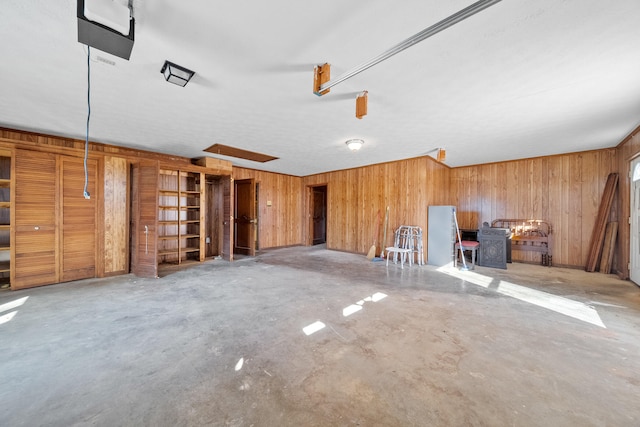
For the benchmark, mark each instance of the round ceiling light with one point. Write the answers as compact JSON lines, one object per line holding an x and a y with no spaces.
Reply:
{"x":354,"y":144}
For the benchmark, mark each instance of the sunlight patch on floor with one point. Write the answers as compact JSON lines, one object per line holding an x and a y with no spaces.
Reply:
{"x":4,"y":318}
{"x":313,"y":328}
{"x":239,"y":364}
{"x":556,"y":303}
{"x":346,"y":312}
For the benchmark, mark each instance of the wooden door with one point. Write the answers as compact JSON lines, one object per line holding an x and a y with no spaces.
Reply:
{"x":78,"y":218}
{"x":245,"y":217}
{"x":319,"y":215}
{"x":36,"y":212}
{"x":227,"y":214}
{"x":214,"y":216}
{"x":144,"y":214}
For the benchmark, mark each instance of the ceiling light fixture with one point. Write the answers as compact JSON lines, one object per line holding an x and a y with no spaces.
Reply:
{"x":354,"y":144}
{"x":176,"y":74}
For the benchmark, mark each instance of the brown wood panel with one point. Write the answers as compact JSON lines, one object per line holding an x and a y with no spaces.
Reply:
{"x":592,"y":184}
{"x":144,"y":206}
{"x":75,"y":147}
{"x":244,"y":217}
{"x":355,"y":196}
{"x":559,"y":189}
{"x":227,"y":235}
{"x":627,"y":151}
{"x":78,"y":220}
{"x":116,"y":215}
{"x":36,"y":213}
{"x":214,"y":220}
{"x":574,"y":211}
{"x":488,"y":195}
{"x":280,"y":224}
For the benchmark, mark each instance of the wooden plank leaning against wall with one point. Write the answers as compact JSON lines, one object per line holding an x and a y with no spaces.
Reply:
{"x":563,"y":189}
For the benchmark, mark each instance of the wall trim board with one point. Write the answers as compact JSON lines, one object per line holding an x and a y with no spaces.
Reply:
{"x":58,"y":144}
{"x":536,"y":158}
{"x":629,"y":137}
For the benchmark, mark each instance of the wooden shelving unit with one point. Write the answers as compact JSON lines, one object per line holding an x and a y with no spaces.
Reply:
{"x":180,"y":217}
{"x":5,"y":219}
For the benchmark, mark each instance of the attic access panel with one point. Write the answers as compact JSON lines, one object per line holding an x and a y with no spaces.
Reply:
{"x":226,"y":150}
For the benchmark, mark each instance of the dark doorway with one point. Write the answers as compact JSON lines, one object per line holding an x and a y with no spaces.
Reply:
{"x":216,"y":217}
{"x":245,"y":217}
{"x":318,"y":215}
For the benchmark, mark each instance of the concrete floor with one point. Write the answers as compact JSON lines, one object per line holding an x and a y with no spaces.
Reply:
{"x":222,"y":344}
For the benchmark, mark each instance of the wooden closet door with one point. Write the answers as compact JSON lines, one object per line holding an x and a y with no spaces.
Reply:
{"x":144,"y":214}
{"x":36,"y":234}
{"x":78,"y":218}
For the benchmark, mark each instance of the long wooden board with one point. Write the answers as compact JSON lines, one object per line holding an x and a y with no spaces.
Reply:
{"x":597,"y":238}
{"x":609,"y":247}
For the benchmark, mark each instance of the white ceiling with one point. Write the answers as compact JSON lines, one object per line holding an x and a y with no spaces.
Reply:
{"x":520,"y":79}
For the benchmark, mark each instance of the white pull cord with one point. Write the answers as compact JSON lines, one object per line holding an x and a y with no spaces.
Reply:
{"x":86,"y":142}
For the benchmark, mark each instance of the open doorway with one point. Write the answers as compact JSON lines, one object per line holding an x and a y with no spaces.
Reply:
{"x":217,"y":212}
{"x":318,"y":214}
{"x":245,"y":217}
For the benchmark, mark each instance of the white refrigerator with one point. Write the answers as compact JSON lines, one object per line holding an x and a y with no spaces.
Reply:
{"x":441,"y":236}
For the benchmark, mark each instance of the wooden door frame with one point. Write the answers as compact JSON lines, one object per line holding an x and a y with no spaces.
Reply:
{"x":309,"y":239}
{"x":254,"y":208}
{"x":634,"y":221}
{"x":227,"y":216}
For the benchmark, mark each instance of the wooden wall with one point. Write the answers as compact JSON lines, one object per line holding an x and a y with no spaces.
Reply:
{"x":116,"y":215}
{"x":628,"y":150}
{"x":355,"y":197}
{"x":112,"y":199}
{"x":278,"y":224}
{"x":564,"y":190}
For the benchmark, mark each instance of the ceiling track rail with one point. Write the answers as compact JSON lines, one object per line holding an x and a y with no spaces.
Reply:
{"x":416,"y":38}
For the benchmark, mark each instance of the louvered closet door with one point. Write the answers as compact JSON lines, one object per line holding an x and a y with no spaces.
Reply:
{"x":78,"y":217}
{"x":36,"y":235}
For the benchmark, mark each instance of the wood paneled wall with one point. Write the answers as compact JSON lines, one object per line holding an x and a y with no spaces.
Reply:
{"x":564,"y":190}
{"x":356,"y":196}
{"x":116,"y":215}
{"x":280,"y":223}
{"x":628,"y":150}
